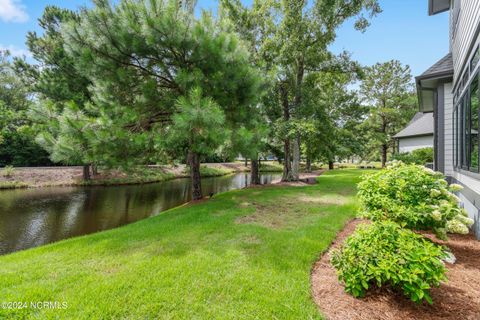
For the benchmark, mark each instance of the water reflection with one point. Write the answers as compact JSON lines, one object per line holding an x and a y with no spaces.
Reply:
{"x":33,"y":217}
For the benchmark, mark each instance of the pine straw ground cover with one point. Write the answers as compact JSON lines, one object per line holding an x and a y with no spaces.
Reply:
{"x":459,"y":298}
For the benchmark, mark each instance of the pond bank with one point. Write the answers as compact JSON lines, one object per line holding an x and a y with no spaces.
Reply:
{"x":72,"y":176}
{"x":243,"y":254}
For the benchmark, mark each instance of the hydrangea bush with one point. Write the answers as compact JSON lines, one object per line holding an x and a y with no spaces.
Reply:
{"x":415,"y":197}
{"x":383,"y":253}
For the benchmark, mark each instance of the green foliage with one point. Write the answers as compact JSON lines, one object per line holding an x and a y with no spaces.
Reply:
{"x":165,"y":83}
{"x":415,"y":197}
{"x":383,"y":253}
{"x":213,"y":172}
{"x":418,"y":156}
{"x":13,"y":185}
{"x":387,"y":89}
{"x":8,"y":171}
{"x":270,"y":167}
{"x":59,"y":112}
{"x":289,"y":41}
{"x":192,"y":125}
{"x":17,"y":145}
{"x":201,"y":244}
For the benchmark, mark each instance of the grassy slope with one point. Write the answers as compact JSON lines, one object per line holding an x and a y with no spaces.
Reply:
{"x":245,"y":254}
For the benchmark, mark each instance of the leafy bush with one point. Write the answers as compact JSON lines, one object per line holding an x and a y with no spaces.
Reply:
{"x":415,"y":197}
{"x":8,"y":171}
{"x":383,"y":253}
{"x":418,"y":156}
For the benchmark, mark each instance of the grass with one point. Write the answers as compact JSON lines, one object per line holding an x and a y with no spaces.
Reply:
{"x":245,"y":254}
{"x":144,"y":175}
{"x":213,"y":172}
{"x":150,"y":175}
{"x":13,"y":185}
{"x":270,"y":167}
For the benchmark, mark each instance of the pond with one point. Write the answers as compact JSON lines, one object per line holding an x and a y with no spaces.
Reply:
{"x":33,"y":217}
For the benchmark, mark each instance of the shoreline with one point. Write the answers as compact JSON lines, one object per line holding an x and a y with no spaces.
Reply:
{"x":64,"y":176}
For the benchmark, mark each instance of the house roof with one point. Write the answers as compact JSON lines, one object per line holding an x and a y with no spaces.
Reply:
{"x":420,"y":125}
{"x":437,"y":6}
{"x":442,"y":67}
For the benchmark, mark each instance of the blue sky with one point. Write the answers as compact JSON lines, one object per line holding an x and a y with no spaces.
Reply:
{"x":404,"y":31}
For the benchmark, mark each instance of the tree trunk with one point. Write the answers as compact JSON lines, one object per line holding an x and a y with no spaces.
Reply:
{"x":330,"y":165}
{"x":94,"y":170}
{"x":308,"y":165}
{"x":296,"y":158}
{"x":287,"y":168}
{"x":255,"y":180}
{"x":384,"y":154}
{"x":246,"y":162}
{"x":297,"y":104}
{"x":194,"y":162}
{"x":86,"y":172}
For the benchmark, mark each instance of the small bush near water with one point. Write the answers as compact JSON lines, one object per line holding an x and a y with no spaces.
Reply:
{"x":415,"y":197}
{"x":8,"y":171}
{"x":383,"y":253}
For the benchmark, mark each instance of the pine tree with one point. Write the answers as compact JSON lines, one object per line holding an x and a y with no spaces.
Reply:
{"x":164,"y":83}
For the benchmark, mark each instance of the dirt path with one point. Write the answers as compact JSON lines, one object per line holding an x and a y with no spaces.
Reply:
{"x":459,"y":298}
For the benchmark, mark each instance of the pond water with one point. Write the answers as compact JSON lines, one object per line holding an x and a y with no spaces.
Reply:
{"x":33,"y":217}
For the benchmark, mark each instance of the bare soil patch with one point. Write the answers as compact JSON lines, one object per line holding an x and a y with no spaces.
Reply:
{"x":288,"y":213}
{"x":274,"y":216}
{"x":323,"y":199}
{"x":459,"y":298}
{"x":306,"y":178}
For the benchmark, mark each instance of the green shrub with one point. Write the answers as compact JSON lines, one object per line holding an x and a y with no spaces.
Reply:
{"x":415,"y":197}
{"x":8,"y":171}
{"x":383,"y":253}
{"x":418,"y":156}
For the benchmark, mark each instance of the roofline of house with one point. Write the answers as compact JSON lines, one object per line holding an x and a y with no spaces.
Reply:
{"x":432,"y":12}
{"x":413,"y":136}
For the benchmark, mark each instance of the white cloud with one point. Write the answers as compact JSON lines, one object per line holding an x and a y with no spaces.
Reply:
{"x":12,"y":11}
{"x":16,"y":51}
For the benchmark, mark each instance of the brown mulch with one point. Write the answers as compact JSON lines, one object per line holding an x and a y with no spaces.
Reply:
{"x":458,"y":298}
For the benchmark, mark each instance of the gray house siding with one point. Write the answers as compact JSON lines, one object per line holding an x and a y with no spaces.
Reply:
{"x":448,"y":129}
{"x":464,"y":41}
{"x":464,"y":34}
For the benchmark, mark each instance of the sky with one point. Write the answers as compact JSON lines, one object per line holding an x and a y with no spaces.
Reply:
{"x":403,"y":31}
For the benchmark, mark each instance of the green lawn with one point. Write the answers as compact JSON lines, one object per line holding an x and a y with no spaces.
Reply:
{"x":245,"y":254}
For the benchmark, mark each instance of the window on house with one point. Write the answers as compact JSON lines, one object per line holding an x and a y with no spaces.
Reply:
{"x":473,"y":126}
{"x":465,"y":128}
{"x":475,"y":60}
{"x":454,"y":137}
{"x":465,"y":142}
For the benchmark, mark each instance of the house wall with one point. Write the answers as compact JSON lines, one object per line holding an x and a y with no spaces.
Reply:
{"x":464,"y":39}
{"x":470,"y":197}
{"x":448,"y":129}
{"x":410,"y":144}
{"x":464,"y":34}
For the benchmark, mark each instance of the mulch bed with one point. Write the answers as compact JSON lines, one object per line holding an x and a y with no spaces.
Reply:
{"x":459,"y":298}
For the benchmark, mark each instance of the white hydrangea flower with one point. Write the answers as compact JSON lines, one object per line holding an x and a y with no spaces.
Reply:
{"x":454,"y":197}
{"x":454,"y":187}
{"x":435,"y":193}
{"x":465,"y":220}
{"x":455,"y":226}
{"x":436,"y":215}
